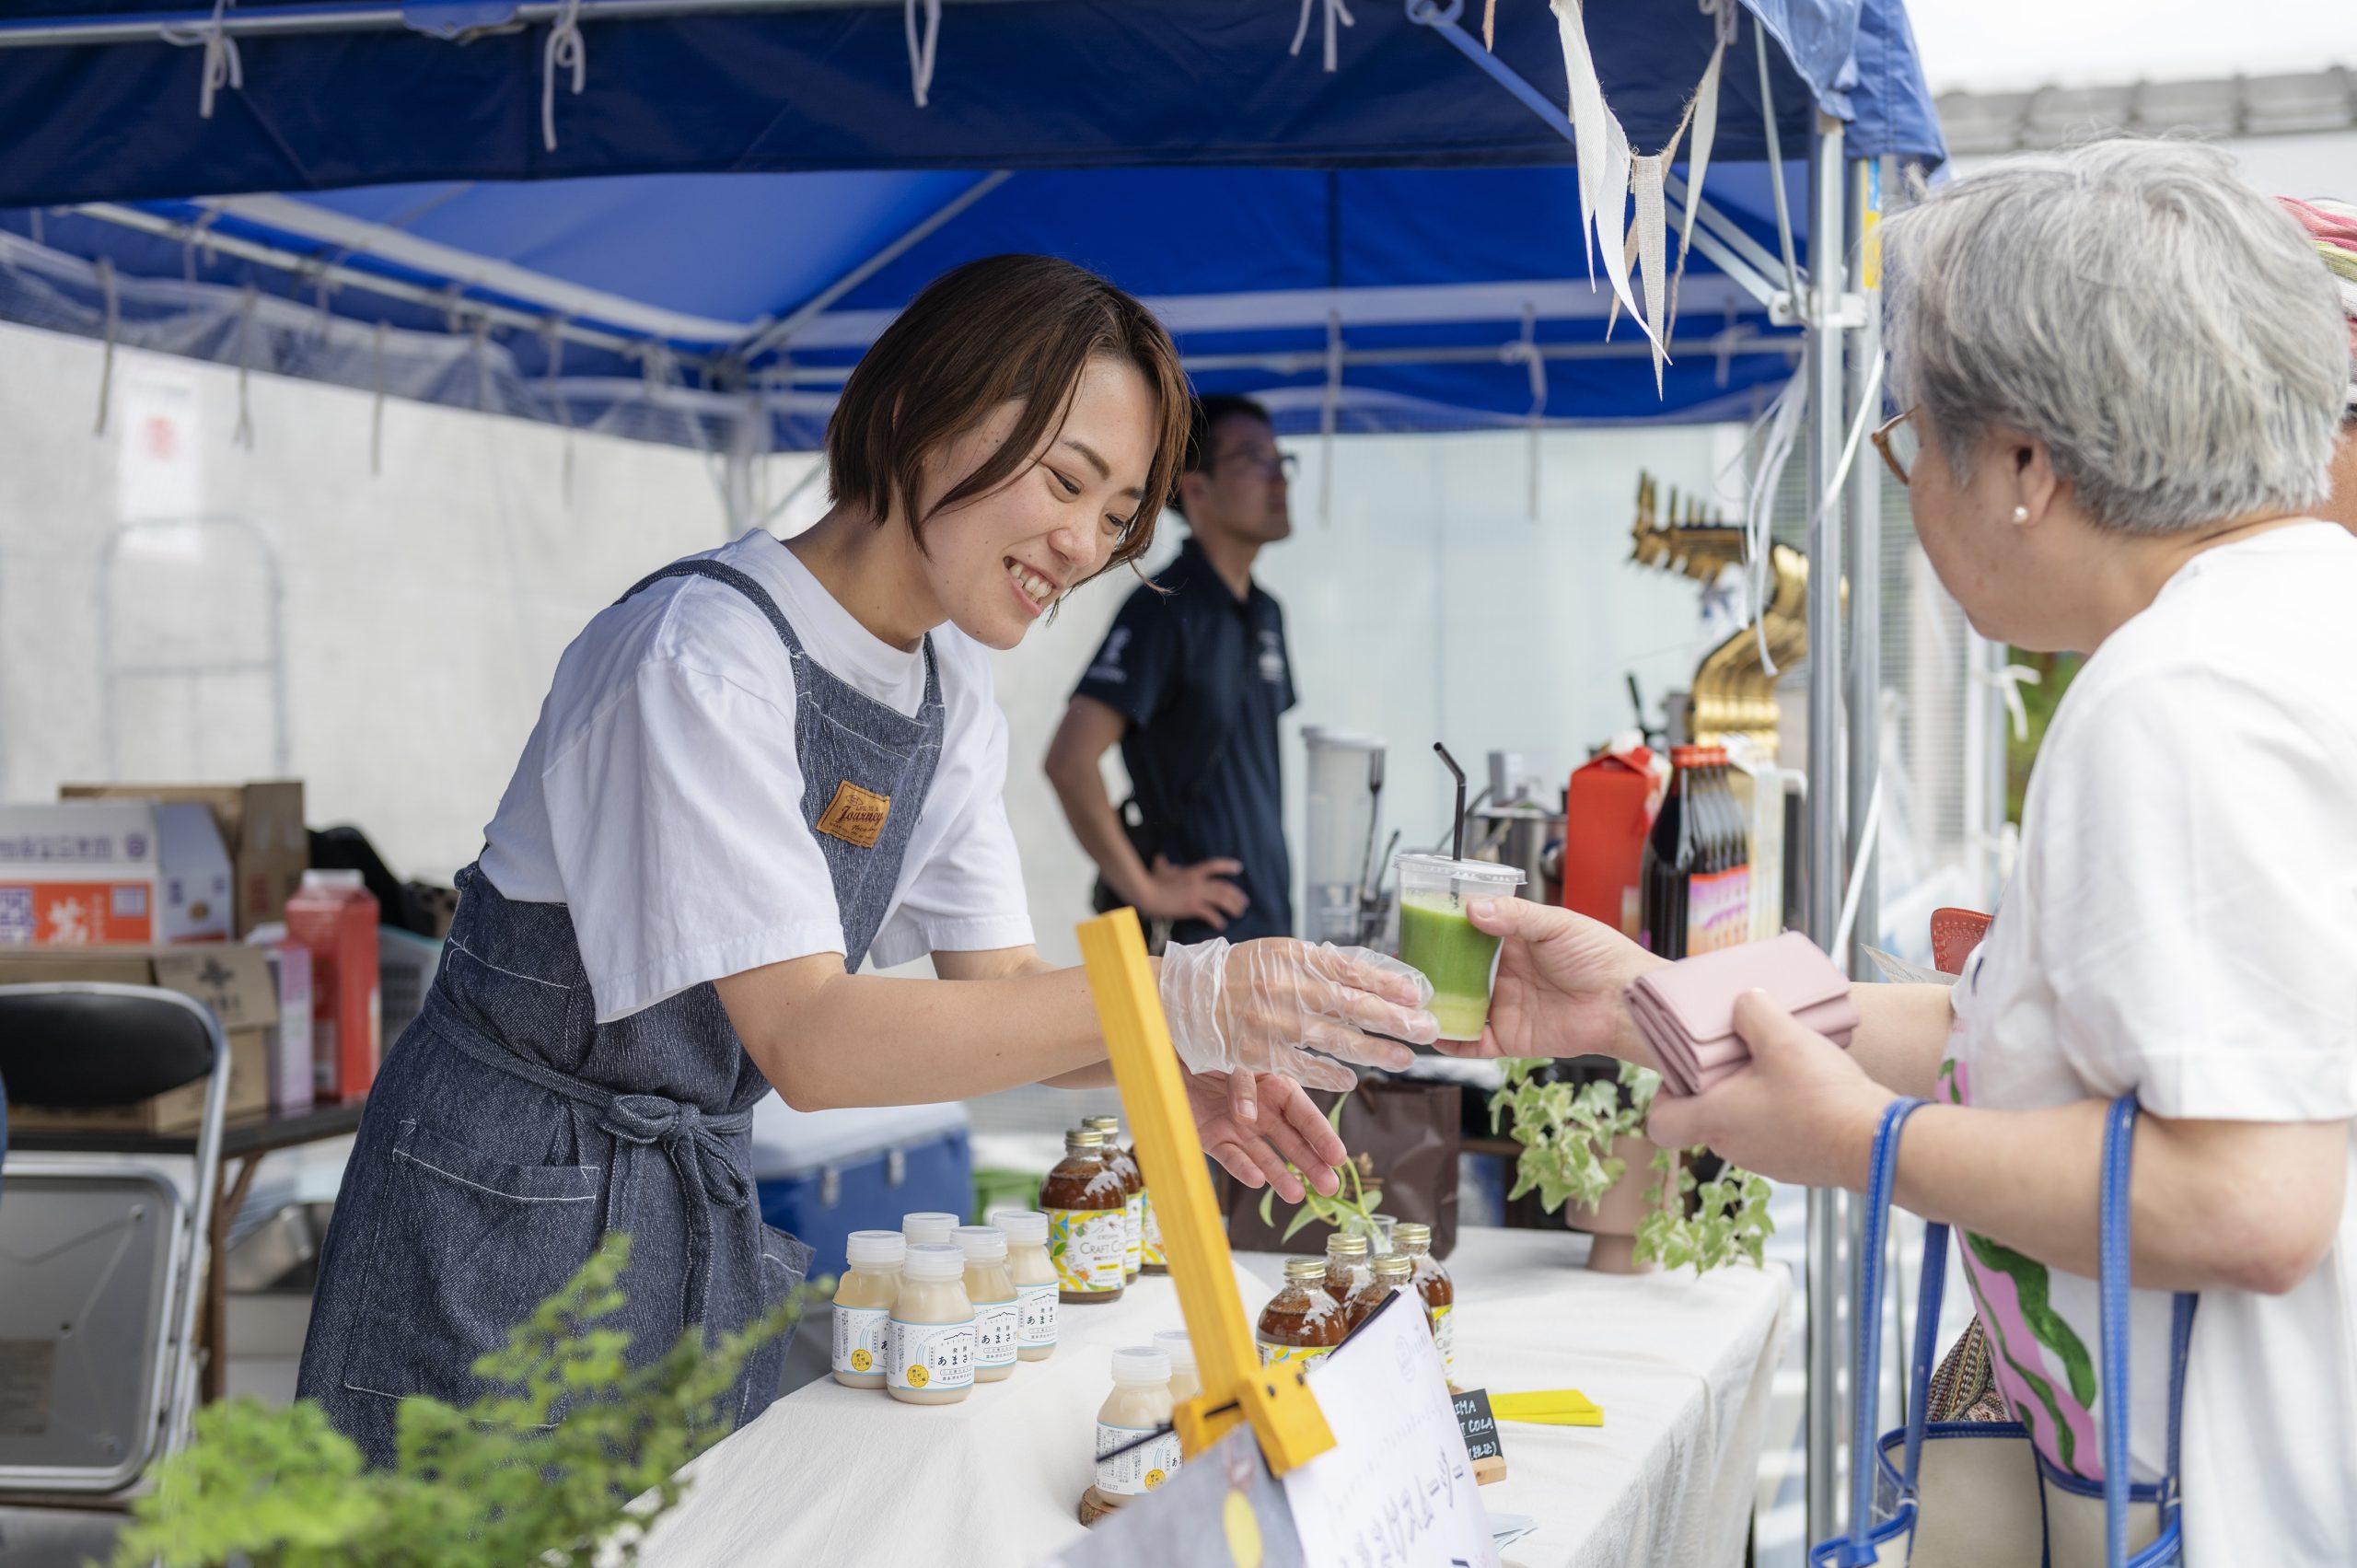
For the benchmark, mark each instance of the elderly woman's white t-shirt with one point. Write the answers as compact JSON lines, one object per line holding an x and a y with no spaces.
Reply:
{"x":2183,"y":924}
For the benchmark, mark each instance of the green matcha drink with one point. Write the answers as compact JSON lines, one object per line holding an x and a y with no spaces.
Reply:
{"x":1438,"y":941}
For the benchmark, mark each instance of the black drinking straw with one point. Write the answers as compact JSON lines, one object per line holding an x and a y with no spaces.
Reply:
{"x":1456,"y":848}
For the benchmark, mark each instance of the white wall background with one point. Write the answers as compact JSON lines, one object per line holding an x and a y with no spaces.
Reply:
{"x":423,"y":608}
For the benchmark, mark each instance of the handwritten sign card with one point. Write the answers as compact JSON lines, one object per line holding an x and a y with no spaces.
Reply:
{"x":1397,"y":1489}
{"x":1480,"y":1428}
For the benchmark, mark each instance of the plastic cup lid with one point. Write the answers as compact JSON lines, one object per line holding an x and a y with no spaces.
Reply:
{"x":930,"y":1225}
{"x":930,"y":1260}
{"x":981,"y":1243}
{"x":1024,"y":1227}
{"x":876,"y":1249}
{"x":1141,"y":1363}
{"x":1436,"y":868}
{"x":1174,"y":1343}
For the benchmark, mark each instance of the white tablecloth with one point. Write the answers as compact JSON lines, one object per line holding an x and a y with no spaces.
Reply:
{"x":850,"y":1477}
{"x":1682,"y":1367}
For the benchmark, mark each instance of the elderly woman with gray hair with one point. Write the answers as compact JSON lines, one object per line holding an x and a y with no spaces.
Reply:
{"x":2119,"y":374}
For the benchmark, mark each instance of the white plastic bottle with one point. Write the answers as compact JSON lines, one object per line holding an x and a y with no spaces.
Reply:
{"x":863,"y":1299}
{"x":991,"y":1287}
{"x":1034,"y":1273}
{"x":929,"y":1227}
{"x":1139,"y":1403}
{"x":932,"y":1329}
{"x":1185,"y":1382}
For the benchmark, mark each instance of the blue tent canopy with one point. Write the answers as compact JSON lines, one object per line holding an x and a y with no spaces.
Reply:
{"x":739,"y":197}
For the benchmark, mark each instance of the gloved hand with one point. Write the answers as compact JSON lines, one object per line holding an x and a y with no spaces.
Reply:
{"x":1265,"y":1006}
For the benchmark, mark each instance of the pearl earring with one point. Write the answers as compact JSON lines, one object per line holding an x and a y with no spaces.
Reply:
{"x":2021,"y":513}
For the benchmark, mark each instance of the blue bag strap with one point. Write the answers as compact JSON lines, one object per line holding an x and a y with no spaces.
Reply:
{"x":2118,"y":1144}
{"x":1929,"y":1289}
{"x":1858,"y":1546}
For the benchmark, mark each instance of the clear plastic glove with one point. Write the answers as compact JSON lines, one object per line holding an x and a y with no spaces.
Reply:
{"x":1266,"y":1006}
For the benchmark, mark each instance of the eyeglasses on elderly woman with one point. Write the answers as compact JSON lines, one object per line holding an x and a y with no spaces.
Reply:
{"x":1896,"y":441}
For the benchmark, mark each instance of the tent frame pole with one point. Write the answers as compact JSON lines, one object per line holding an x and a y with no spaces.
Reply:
{"x":1828,"y":1290}
{"x":299,"y":20}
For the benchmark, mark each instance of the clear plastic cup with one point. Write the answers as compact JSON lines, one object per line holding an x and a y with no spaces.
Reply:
{"x":1438,"y":941}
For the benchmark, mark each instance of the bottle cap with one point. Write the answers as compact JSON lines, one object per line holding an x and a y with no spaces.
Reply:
{"x":1024,"y":1227}
{"x":1686,"y":756}
{"x":1109,"y":1125}
{"x":929,"y":1225}
{"x":1340,"y":1246}
{"x":1409,"y":1234}
{"x":1141,"y":1363}
{"x":1393,"y":1266}
{"x":1305,"y":1270}
{"x":876,"y":1249}
{"x":331,"y":881}
{"x":930,"y":1260}
{"x":980,"y":1243}
{"x":1174,"y":1343}
{"x":1084,"y":1138}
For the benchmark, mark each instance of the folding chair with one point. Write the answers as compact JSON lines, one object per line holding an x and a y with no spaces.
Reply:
{"x":102,"y":1258}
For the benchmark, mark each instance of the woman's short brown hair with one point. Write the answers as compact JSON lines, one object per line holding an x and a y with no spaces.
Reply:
{"x":1005,"y":328}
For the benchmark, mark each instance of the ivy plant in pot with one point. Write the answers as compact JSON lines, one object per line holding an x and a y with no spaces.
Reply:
{"x":1584,"y":1146}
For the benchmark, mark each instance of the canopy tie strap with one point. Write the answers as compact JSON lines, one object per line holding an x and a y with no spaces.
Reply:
{"x":324,"y":285}
{"x":1337,"y":12}
{"x":2009,"y":681}
{"x":922,"y":48}
{"x":1523,"y":351}
{"x":39,"y":233}
{"x":223,"y":65}
{"x":198,"y":236}
{"x":566,"y":50}
{"x":243,"y":435}
{"x":113,"y":326}
{"x":377,"y":408}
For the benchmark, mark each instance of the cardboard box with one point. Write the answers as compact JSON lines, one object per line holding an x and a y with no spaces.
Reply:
{"x":89,"y":873}
{"x":235,"y":982}
{"x":261,"y":823}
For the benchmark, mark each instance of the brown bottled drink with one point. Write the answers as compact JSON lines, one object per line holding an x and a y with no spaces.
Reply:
{"x":1125,"y":1165}
{"x":1301,"y":1322}
{"x":1433,"y":1284}
{"x":1087,"y":1210}
{"x":1348,"y":1272}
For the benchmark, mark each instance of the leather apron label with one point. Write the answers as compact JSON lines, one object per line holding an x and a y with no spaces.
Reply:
{"x":856,"y":815}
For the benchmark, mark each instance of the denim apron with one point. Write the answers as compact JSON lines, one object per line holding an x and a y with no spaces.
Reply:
{"x":508,"y":1130}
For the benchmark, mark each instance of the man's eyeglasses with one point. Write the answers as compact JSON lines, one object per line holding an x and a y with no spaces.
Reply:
{"x":1270,"y":465}
{"x":1898,"y":444}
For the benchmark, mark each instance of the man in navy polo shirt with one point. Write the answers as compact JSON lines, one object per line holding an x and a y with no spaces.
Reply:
{"x":1190,"y":681}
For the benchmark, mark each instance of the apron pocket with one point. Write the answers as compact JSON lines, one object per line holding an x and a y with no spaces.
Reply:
{"x":466,"y":1246}
{"x":784,"y":1264}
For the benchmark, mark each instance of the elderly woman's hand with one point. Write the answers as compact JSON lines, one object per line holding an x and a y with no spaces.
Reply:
{"x":1561,"y":979}
{"x":1801,"y":1111}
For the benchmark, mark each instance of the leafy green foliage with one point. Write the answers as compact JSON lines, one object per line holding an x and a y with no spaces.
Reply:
{"x":1567,"y":1131}
{"x":490,"y":1486}
{"x":1354,"y":1214}
{"x":1711,"y":1225}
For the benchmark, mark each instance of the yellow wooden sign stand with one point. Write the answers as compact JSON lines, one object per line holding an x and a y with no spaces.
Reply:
{"x":1283,"y":1414}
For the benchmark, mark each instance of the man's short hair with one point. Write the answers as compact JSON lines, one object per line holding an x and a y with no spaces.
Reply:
{"x":1205,"y":417}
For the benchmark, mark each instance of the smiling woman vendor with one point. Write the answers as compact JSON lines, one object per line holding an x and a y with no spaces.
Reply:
{"x":759,"y":768}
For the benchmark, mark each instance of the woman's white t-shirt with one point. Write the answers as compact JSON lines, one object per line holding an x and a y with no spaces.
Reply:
{"x":2183,"y":924}
{"x":660,"y":798}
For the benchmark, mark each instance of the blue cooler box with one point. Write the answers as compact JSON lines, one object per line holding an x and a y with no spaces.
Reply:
{"x":823,"y":1174}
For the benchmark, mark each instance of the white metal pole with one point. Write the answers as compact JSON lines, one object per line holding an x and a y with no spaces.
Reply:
{"x":1828,"y":1286}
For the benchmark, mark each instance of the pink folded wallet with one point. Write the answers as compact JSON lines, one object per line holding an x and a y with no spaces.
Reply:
{"x":1686,"y":1010}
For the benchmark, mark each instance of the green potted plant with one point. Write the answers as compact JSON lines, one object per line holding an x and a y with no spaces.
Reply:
{"x":483,"y":1487}
{"x":1352,"y":1210}
{"x":1583,"y":1151}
